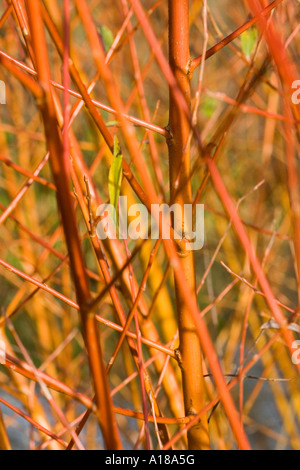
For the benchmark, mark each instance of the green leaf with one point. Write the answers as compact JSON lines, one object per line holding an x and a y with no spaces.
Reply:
{"x":208,"y":106}
{"x":248,"y":41}
{"x":115,"y":175}
{"x":106,"y":36}
{"x":112,"y":124}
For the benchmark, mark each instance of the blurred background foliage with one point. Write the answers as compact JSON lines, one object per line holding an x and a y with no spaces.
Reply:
{"x":253,"y":152}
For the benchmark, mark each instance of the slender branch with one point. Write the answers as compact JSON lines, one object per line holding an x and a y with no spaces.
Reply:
{"x":179,"y":164}
{"x":235,"y":34}
{"x":61,"y":169}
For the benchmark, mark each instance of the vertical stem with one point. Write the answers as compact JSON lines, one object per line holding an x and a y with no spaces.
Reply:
{"x":61,"y":173}
{"x":4,"y":440}
{"x":180,"y":192}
